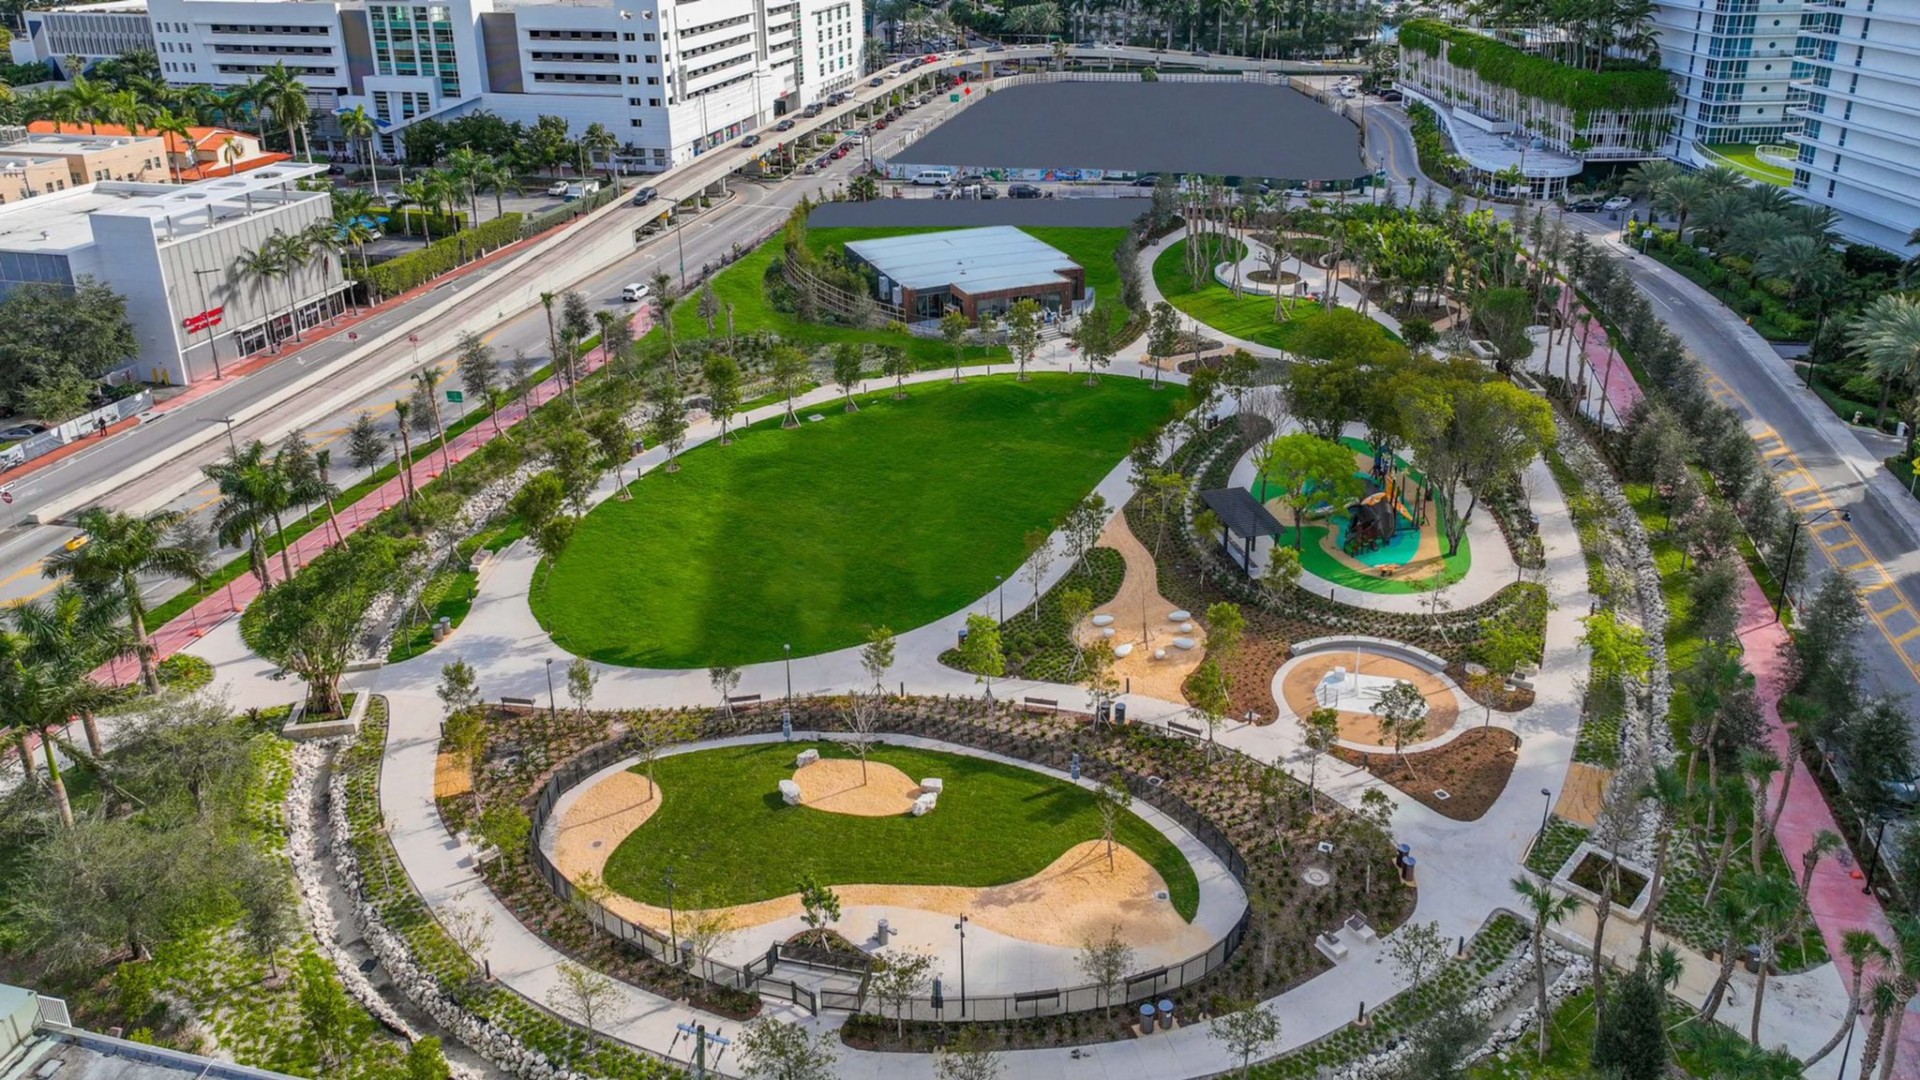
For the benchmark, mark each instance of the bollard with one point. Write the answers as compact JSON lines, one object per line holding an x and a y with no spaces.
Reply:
{"x":1361,"y":1020}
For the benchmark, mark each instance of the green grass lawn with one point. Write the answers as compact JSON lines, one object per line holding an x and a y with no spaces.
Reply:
{"x":729,"y":838}
{"x":898,"y":514}
{"x":1248,"y":316}
{"x":1743,"y":156}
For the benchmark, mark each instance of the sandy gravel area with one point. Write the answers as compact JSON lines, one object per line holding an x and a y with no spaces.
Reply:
{"x":1580,"y":796}
{"x":834,"y":785}
{"x":450,"y":778}
{"x":1074,"y":896}
{"x":599,"y":819}
{"x":1443,"y":706}
{"x":1140,"y":589}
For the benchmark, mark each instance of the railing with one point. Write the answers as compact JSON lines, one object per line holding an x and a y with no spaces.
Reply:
{"x":962,"y":731}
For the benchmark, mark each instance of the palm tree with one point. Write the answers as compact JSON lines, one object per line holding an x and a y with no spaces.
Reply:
{"x":120,"y":548}
{"x":597,"y":141}
{"x":1548,"y":908}
{"x":284,"y":96}
{"x":125,"y":108}
{"x":358,"y":125}
{"x":294,"y":251}
{"x":1886,"y":335}
{"x":87,"y":102}
{"x":71,"y":626}
{"x":254,"y":490}
{"x":424,"y":382}
{"x":1730,"y":907}
{"x":462,"y":163}
{"x":1679,"y":196}
{"x":1860,"y":947}
{"x":402,"y":411}
{"x":170,"y":126}
{"x":1802,"y":263}
{"x":260,"y":266}
{"x":493,"y":176}
{"x":1903,"y":972}
{"x":1772,"y":901}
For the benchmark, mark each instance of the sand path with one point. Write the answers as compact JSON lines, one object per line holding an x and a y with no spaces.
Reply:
{"x":599,"y":819}
{"x":834,"y":785}
{"x":1297,"y":686}
{"x":1140,"y":589}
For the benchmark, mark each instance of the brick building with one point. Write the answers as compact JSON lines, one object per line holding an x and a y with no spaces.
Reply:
{"x":981,"y":272}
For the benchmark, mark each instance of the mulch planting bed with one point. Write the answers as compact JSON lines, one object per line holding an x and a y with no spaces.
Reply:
{"x":1499,"y":696}
{"x":1472,"y":769}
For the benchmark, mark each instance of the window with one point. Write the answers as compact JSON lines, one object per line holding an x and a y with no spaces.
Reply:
{"x":634,"y":122}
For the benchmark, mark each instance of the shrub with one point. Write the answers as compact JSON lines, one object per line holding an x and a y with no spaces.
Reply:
{"x":396,"y":276}
{"x":184,"y":673}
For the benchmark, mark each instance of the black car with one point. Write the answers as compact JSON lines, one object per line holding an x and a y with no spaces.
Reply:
{"x":1585,"y":204}
{"x":1146,"y":181}
{"x":1023,"y":191}
{"x":784,"y":125}
{"x":1390,"y":95}
{"x":814,"y":109}
{"x":336,"y":170}
{"x":876,"y":81}
{"x":750,"y":141}
{"x":645,"y":195}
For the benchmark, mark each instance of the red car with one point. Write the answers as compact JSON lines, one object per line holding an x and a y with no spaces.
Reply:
{"x":932,"y":58}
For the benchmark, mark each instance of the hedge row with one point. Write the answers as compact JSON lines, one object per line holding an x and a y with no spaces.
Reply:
{"x":396,"y":276}
{"x":411,"y":221}
{"x":1536,"y":76}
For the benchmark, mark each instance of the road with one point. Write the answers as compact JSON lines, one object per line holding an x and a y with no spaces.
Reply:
{"x":1859,"y":520}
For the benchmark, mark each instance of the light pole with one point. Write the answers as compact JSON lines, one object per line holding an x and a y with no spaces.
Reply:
{"x":787,"y":659}
{"x":227,"y":420}
{"x":213,"y":349}
{"x":962,"y":927}
{"x":1545,"y":808}
{"x":1878,"y":839}
{"x":1786,"y":568}
{"x":553,"y":712}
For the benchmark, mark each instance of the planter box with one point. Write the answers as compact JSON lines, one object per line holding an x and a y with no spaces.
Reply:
{"x":1632,"y":912}
{"x":295,"y":731}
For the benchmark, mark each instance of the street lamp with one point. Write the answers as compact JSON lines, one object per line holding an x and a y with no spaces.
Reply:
{"x":1786,"y":569}
{"x":1878,"y":839}
{"x":1545,"y":808}
{"x":227,"y":420}
{"x":553,"y":711}
{"x":787,"y":658}
{"x":962,"y":927}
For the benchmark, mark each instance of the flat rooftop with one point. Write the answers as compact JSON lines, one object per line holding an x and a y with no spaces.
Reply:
{"x":70,"y":143}
{"x":973,"y":260}
{"x":1089,"y":213}
{"x":91,"y":1057}
{"x":1213,"y":128}
{"x":63,"y":220}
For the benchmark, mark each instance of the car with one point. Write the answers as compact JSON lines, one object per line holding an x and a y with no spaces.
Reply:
{"x":996,"y":47}
{"x":336,"y":170}
{"x":1201,"y":52}
{"x":77,"y":543}
{"x":1585,"y":204}
{"x":749,"y":142}
{"x":784,"y":125}
{"x":1148,"y":180}
{"x":557,"y":188}
{"x":880,"y":124}
{"x":1023,"y":191}
{"x":392,"y":199}
{"x":1618,"y":202}
{"x":857,"y":137}
{"x":645,"y":195}
{"x":876,"y":81}
{"x":1086,"y":44}
{"x":813,"y":110}
{"x":635,"y":292}
{"x":20,"y":431}
{"x":1391,"y":95}
{"x":931,"y":58}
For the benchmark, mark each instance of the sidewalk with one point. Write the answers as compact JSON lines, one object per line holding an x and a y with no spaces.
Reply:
{"x":231,"y":600}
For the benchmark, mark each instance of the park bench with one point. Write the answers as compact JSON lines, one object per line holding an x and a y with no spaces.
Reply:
{"x":525,"y":702}
{"x":1040,"y":704}
{"x":743,"y":699}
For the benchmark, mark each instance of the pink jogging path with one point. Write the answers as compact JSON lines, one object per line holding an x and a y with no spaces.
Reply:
{"x":1622,"y":392}
{"x":194,"y":623}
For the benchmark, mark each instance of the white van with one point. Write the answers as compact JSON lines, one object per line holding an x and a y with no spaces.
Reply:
{"x":933,"y":177}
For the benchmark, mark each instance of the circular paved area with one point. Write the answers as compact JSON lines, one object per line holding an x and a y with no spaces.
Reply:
{"x":1298,"y":678}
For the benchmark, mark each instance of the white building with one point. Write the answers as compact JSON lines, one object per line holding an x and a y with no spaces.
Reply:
{"x":174,"y":251}
{"x":92,"y":32}
{"x":1859,"y":144}
{"x":670,"y":79}
{"x":1732,"y":63}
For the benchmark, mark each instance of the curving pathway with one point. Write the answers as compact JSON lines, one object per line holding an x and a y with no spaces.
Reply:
{"x":1463,"y":866}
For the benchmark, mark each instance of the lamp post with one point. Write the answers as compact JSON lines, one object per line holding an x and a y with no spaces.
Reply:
{"x":553,"y":711}
{"x":787,"y":659}
{"x":213,"y":349}
{"x":962,"y":927}
{"x":1878,"y":838}
{"x":1546,"y":807}
{"x":1793,"y":538}
{"x":673,"y":927}
{"x":227,"y":420}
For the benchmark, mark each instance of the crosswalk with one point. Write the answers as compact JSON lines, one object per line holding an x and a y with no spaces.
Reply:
{"x":1833,"y":536}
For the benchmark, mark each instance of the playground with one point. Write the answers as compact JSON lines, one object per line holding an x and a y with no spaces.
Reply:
{"x":1386,"y":541}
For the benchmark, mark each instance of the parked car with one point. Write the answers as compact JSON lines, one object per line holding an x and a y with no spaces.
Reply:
{"x":784,"y":125}
{"x":21,"y":431}
{"x":750,"y":141}
{"x":1618,"y":202}
{"x":1585,"y":204}
{"x":1023,"y":191}
{"x":645,"y":195}
{"x":557,"y":188}
{"x":636,"y":292}
{"x":1391,"y":95}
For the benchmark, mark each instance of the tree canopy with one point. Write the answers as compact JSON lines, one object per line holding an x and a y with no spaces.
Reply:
{"x":56,"y":344}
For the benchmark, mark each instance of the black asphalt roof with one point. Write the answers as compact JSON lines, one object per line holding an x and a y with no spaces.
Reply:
{"x":1241,"y":513}
{"x":1213,"y":128}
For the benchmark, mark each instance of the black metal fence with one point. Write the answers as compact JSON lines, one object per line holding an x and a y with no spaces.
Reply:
{"x":757,"y":975}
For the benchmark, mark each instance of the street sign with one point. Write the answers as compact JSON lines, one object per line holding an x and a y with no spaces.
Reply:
{"x":953,"y":98}
{"x":456,"y":396}
{"x":6,"y":497}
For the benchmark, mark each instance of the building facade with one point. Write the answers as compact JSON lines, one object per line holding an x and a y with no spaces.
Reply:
{"x":1858,"y":147}
{"x":38,"y":163}
{"x":1732,"y":63}
{"x":669,"y":79}
{"x":177,"y":252}
{"x":92,"y":32}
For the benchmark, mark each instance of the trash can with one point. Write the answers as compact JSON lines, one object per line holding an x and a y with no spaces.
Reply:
{"x":1120,"y":712}
{"x":1166,"y":1014}
{"x":884,"y":932}
{"x":1146,"y":1018}
{"x":963,"y":639}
